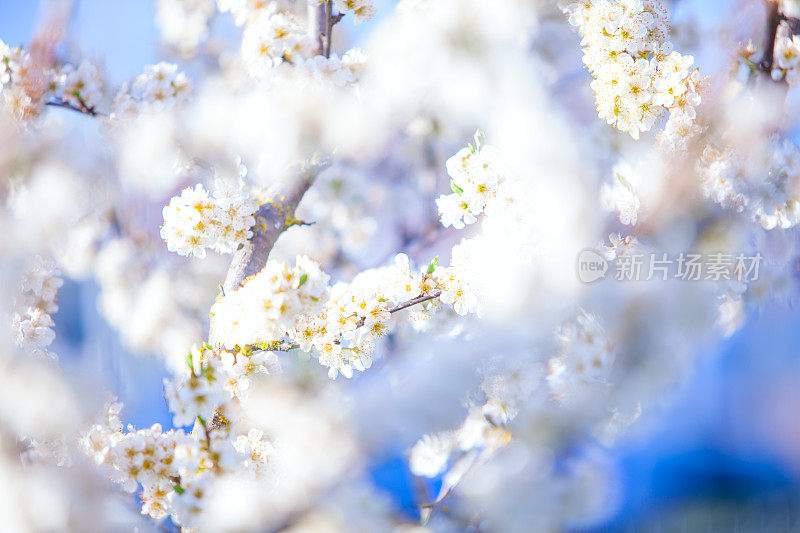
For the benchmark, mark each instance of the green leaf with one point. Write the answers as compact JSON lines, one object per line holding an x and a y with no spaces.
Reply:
{"x":303,"y":279}
{"x":456,"y":189}
{"x":480,"y":138}
{"x":202,"y":420}
{"x":178,"y":488}
{"x":472,"y":148}
{"x":433,"y":265}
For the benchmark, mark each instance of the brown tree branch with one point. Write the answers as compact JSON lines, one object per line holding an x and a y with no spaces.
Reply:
{"x":405,"y":305}
{"x":318,"y":23}
{"x":328,"y":27}
{"x":83,"y":109}
{"x":415,"y":301}
{"x":272,"y":219}
{"x":276,"y":215}
{"x":773,"y":21}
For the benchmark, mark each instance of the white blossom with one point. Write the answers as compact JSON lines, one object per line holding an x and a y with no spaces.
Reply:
{"x":584,"y":360}
{"x":762,"y":184}
{"x":637,"y":75}
{"x":430,"y":454}
{"x":787,"y":56}
{"x":195,"y":221}
{"x":620,"y":197}
{"x":200,"y":392}
{"x":184,"y":23}
{"x":363,"y":10}
{"x":257,"y":452}
{"x":272,"y":38}
{"x":160,"y":86}
{"x":81,"y":86}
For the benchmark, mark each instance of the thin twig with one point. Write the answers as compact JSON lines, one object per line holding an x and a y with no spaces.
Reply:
{"x":415,"y":301}
{"x":289,"y":346}
{"x":328,"y":27}
{"x":331,"y":21}
{"x":448,"y":488}
{"x":84,"y":109}
{"x":405,"y":305}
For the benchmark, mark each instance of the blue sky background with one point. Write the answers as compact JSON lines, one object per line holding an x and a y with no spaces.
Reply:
{"x":118,"y":34}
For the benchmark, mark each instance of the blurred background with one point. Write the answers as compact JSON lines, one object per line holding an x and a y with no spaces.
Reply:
{"x":726,"y":458}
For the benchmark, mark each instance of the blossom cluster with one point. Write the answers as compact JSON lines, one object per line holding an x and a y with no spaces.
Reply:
{"x":184,"y":24}
{"x":79,"y":86}
{"x":32,"y":325}
{"x":786,"y":65}
{"x":18,"y":86}
{"x":142,"y":296}
{"x":477,"y":179}
{"x":341,"y":322}
{"x":241,"y":366}
{"x":270,"y":303}
{"x":214,"y":377}
{"x":160,"y":86}
{"x":638,"y":77}
{"x":173,"y":467}
{"x":200,"y":392}
{"x":357,"y":314}
{"x":431,"y":455}
{"x":584,"y":360}
{"x":26,"y":86}
{"x":482,"y":184}
{"x":145,"y":456}
{"x":620,"y":196}
{"x":363,"y":10}
{"x":246,"y":11}
{"x":176,"y":469}
{"x":274,"y":36}
{"x":511,"y":392}
{"x":456,"y":291}
{"x":760,"y":183}
{"x":256,"y":450}
{"x":340,"y":72}
{"x":195,"y":220}
{"x":486,"y":426}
